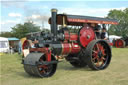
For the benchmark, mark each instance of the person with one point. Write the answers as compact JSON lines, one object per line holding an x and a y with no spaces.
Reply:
{"x":97,"y":31}
{"x":19,"y":47}
{"x":11,"y":50}
{"x":104,"y":34}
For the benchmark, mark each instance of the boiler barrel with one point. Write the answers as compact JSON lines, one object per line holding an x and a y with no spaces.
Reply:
{"x":65,"y":48}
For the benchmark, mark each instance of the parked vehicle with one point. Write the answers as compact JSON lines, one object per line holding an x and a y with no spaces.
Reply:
{"x":4,"y":45}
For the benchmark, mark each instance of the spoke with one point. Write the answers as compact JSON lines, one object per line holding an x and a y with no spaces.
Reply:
{"x":42,"y":71}
{"x":40,"y":66}
{"x":97,"y":64}
{"x":43,"y":66}
{"x":100,"y":47}
{"x":102,"y":50}
{"x":94,"y":51}
{"x":102,"y":62}
{"x":94,"y":58}
{"x":103,"y":58}
{"x":97,"y":47}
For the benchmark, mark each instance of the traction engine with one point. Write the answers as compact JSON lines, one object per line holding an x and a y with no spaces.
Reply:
{"x":121,"y":43}
{"x":79,"y":46}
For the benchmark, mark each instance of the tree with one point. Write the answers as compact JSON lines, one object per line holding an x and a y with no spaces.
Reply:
{"x":20,"y":30}
{"x":6,"y":34}
{"x":122,"y":16}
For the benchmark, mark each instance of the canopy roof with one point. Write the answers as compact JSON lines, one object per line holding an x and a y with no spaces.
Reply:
{"x":13,"y":39}
{"x":79,"y":20}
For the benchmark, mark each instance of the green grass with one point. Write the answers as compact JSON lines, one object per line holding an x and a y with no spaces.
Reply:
{"x":12,"y":72}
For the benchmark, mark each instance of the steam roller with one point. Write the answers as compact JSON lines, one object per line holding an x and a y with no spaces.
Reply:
{"x":76,"y":41}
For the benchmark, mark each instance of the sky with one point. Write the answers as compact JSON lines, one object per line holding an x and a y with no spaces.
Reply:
{"x":19,"y":11}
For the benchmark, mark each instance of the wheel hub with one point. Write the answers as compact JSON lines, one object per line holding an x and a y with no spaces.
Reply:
{"x":100,"y":54}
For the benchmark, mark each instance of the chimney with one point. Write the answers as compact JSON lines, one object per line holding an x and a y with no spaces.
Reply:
{"x":53,"y":22}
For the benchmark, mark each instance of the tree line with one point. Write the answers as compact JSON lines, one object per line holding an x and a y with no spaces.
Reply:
{"x":20,"y":30}
{"x":122,"y":28}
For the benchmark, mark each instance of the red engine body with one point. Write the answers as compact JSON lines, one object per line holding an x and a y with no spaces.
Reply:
{"x":73,"y":42}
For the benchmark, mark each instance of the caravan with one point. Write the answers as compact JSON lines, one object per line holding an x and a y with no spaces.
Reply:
{"x":4,"y":45}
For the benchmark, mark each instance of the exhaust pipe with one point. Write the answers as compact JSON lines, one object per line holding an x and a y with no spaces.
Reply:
{"x":53,"y":22}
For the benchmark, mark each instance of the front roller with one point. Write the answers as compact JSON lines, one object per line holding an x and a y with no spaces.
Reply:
{"x":35,"y":64}
{"x":98,"y":54}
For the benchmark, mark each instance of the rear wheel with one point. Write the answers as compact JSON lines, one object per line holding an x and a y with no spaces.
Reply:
{"x":98,"y":54}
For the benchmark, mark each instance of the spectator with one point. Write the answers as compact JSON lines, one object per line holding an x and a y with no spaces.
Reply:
{"x":97,"y":31}
{"x":19,"y":48}
{"x":104,"y":34}
{"x":11,"y":50}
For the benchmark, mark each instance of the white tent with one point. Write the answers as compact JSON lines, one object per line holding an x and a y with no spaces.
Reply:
{"x":4,"y":44}
{"x":114,"y":36}
{"x":111,"y":37}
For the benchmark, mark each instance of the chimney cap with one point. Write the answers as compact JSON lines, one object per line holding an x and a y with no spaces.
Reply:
{"x":53,"y":10}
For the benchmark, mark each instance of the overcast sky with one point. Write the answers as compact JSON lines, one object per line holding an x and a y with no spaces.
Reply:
{"x":20,"y":11}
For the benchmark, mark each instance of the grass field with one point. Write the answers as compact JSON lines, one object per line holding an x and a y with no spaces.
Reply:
{"x":12,"y":72}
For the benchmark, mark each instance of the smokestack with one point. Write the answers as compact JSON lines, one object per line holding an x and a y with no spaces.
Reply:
{"x":53,"y":22}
